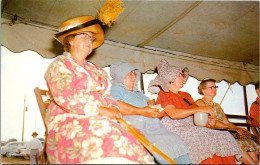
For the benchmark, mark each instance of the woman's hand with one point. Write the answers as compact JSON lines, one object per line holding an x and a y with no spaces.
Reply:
{"x":151,"y":102}
{"x":110,"y":112}
{"x":242,"y":131}
{"x":150,"y":112}
{"x":208,"y":109}
{"x":211,"y":122}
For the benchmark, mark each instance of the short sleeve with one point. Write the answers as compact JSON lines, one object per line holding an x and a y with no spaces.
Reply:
{"x":116,"y":92}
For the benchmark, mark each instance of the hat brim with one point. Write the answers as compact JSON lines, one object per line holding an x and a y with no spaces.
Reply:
{"x":89,"y":26}
{"x":162,"y":81}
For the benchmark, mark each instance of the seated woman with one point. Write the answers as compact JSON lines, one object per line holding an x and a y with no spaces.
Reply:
{"x":79,"y":119}
{"x":255,"y":111}
{"x":133,"y":105}
{"x":208,"y":89}
{"x":206,"y":146}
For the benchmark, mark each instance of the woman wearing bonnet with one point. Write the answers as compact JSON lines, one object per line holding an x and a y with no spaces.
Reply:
{"x":81,"y":118}
{"x":134,"y":106}
{"x":206,"y":146}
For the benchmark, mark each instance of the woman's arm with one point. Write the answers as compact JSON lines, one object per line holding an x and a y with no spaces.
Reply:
{"x":225,"y":124}
{"x":119,"y":94}
{"x":234,"y":127}
{"x":128,"y":109}
{"x":217,"y":124}
{"x":182,"y":113}
{"x":111,"y":112}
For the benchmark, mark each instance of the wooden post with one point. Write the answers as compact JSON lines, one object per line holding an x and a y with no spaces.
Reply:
{"x":246,"y":105}
{"x":142,"y":82}
{"x":24,"y":108}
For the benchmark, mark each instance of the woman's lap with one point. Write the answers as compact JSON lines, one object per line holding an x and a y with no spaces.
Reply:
{"x":78,"y":140}
{"x":203,"y":142}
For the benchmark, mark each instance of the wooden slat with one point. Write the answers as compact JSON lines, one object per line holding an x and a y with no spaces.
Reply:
{"x":42,"y":106}
{"x":242,"y":124}
{"x":43,"y":92}
{"x":46,"y":105}
{"x":236,"y":116}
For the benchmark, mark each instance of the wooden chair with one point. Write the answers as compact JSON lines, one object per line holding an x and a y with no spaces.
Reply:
{"x":43,"y":106}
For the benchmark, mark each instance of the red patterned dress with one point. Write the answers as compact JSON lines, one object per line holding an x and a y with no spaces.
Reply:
{"x":76,"y":133}
{"x":254,"y":112}
{"x":206,"y":146}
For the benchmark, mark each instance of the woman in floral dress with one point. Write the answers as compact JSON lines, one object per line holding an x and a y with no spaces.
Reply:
{"x":81,"y":119}
{"x":206,"y":146}
{"x":207,"y":88}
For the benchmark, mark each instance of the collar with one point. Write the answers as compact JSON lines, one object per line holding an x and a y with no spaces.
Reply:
{"x":205,"y":101}
{"x":68,"y":55}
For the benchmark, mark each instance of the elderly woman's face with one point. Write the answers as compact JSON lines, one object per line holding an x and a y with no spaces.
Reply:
{"x":210,"y":89}
{"x":178,"y":81}
{"x":129,"y":80}
{"x":83,"y":42}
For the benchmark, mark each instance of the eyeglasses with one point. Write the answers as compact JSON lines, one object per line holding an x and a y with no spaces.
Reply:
{"x":211,"y":87}
{"x":86,"y":36}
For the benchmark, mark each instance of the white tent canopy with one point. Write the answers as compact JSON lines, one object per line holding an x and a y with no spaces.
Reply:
{"x":228,"y":49}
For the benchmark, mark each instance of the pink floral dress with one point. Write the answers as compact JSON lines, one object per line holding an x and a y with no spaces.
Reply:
{"x":76,"y":134}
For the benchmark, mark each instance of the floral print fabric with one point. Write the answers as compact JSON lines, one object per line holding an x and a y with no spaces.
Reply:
{"x":246,"y":144}
{"x":76,"y":134}
{"x":202,"y":142}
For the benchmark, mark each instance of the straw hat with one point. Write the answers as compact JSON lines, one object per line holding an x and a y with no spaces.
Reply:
{"x":35,"y":133}
{"x":166,"y":75}
{"x":79,"y":25}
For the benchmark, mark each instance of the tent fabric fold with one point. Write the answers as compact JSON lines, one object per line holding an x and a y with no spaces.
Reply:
{"x":21,"y":37}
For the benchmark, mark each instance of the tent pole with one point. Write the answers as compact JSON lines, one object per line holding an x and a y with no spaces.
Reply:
{"x":142,"y":82}
{"x":246,"y":105}
{"x":245,"y":100}
{"x":225,"y":93}
{"x":23,"y":117}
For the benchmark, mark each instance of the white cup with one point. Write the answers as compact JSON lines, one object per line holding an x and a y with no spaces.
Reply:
{"x":201,"y":119}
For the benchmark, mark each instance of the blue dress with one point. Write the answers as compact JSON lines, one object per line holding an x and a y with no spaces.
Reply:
{"x":168,"y":142}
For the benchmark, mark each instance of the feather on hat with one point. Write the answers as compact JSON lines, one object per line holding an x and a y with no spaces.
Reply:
{"x":107,"y":15}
